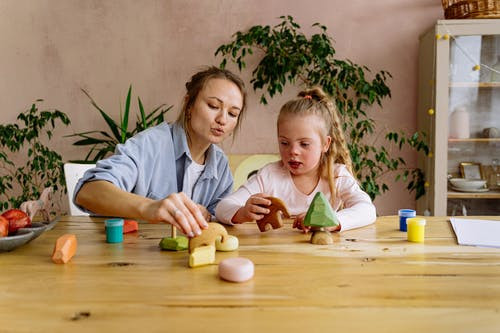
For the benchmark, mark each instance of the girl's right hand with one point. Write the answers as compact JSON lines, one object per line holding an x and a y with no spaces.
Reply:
{"x":178,"y":210}
{"x":254,"y":209}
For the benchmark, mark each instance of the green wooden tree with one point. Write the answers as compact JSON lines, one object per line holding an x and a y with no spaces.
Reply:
{"x":320,"y":214}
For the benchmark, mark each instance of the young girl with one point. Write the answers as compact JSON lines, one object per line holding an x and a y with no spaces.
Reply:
{"x":314,"y":157}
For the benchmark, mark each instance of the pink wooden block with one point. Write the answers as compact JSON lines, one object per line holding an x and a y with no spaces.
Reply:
{"x":236,"y":269}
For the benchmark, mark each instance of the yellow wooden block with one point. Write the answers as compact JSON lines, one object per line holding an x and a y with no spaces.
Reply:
{"x":203,"y":255}
{"x":230,"y":243}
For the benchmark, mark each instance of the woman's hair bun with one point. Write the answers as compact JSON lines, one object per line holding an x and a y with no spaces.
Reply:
{"x":315,"y":93}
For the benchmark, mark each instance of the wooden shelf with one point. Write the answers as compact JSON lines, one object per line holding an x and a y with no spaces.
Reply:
{"x":494,"y":194}
{"x":475,"y":140}
{"x":474,"y":84}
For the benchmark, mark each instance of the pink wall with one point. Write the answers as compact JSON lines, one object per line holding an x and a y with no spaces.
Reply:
{"x":52,"y":48}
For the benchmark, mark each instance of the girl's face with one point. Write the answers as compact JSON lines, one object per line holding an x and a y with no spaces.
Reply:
{"x":302,"y":142}
{"x":214,"y":114}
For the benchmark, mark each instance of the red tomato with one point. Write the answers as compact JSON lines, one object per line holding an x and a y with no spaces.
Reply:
{"x":17,"y":219}
{"x":4,"y":226}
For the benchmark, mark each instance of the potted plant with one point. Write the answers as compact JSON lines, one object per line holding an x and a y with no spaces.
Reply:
{"x":103,"y":143}
{"x":42,"y":167}
{"x":287,"y":56}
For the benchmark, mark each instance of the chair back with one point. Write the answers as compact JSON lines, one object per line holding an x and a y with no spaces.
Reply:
{"x":73,"y":172}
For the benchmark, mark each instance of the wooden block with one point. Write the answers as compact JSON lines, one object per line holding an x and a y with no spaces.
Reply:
{"x":208,"y":236}
{"x":64,"y":249}
{"x":275,"y":217}
{"x":130,"y":226}
{"x":179,"y":243}
{"x":320,"y":213}
{"x":203,"y":255}
{"x":230,"y":244}
{"x":321,"y":238}
{"x":236,"y":269}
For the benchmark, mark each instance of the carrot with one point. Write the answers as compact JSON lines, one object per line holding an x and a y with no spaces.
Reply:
{"x":64,"y":249}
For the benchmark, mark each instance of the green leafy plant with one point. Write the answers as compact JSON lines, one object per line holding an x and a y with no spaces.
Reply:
{"x":287,"y":56}
{"x":104,"y":143}
{"x":42,"y":168}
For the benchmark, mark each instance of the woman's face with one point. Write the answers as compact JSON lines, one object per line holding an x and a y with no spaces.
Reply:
{"x":214,"y":114}
{"x":301,"y":143}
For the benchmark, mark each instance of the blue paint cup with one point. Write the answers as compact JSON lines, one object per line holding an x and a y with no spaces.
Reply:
{"x":403,"y":215}
{"x":114,"y":230}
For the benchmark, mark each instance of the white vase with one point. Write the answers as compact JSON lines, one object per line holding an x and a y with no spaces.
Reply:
{"x":459,"y":124}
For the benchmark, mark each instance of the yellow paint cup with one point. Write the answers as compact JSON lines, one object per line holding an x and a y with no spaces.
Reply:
{"x":416,"y":229}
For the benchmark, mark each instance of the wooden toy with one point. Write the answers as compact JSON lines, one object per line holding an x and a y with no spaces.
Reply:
{"x":43,"y":204}
{"x":64,"y":249}
{"x":321,"y":215}
{"x":236,"y":269}
{"x":174,"y":242}
{"x":179,"y":243}
{"x":202,"y":255}
{"x":208,"y":236}
{"x":275,"y":217}
{"x":230,"y":244}
{"x":130,"y":226}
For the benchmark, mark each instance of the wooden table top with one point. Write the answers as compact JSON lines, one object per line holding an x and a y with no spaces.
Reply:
{"x":371,"y":279}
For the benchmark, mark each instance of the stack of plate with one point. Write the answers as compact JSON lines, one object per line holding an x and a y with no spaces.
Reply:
{"x":468,"y":185}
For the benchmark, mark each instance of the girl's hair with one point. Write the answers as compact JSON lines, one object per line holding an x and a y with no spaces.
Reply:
{"x":316,"y":102}
{"x":198,"y":82}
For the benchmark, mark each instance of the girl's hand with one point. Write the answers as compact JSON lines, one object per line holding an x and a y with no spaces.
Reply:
{"x":178,"y":210}
{"x":299,"y":223}
{"x":254,"y":209}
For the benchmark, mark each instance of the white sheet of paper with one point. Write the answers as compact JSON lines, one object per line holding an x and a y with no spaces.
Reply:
{"x":476,"y":232}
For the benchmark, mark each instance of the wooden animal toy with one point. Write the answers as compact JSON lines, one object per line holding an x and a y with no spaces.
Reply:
{"x":321,"y":215}
{"x":43,"y":204}
{"x":230,"y":243}
{"x":64,"y":249}
{"x":208,"y":236}
{"x":274,"y":219}
{"x":203,"y":255}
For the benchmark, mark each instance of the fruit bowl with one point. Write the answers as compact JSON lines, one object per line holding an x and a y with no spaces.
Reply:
{"x":467,"y":184}
{"x":25,"y":235}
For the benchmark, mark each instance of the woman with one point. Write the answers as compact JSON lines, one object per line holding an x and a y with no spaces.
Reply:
{"x":172,"y":173}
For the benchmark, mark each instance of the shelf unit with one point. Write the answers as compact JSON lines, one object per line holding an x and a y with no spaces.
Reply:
{"x":448,"y":79}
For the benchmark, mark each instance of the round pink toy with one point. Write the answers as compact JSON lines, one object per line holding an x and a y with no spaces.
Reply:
{"x":236,"y":269}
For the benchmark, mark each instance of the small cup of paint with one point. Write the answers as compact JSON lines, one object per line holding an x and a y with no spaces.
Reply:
{"x":403,"y":215}
{"x":114,"y":230}
{"x":416,"y":229}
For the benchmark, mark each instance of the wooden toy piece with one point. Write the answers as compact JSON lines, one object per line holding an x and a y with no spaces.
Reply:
{"x":179,"y":243}
{"x":64,"y":249}
{"x":274,"y":219}
{"x":202,"y":255}
{"x":321,"y":237}
{"x":43,"y":204}
{"x":208,"y":236}
{"x":236,"y":269}
{"x":130,"y":226}
{"x":320,"y":214}
{"x":230,"y":244}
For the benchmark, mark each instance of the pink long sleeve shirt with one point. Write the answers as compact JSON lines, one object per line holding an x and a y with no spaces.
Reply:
{"x":275,"y":180}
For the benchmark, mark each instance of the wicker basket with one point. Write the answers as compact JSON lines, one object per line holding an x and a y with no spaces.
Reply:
{"x":470,"y":9}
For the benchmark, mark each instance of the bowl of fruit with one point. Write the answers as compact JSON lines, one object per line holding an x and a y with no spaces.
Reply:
{"x":16,"y":229}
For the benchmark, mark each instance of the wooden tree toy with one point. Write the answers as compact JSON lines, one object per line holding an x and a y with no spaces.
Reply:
{"x":274,"y":219}
{"x":174,"y":242}
{"x":321,"y":215}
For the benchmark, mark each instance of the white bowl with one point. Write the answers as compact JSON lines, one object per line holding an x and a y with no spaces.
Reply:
{"x":467,"y":184}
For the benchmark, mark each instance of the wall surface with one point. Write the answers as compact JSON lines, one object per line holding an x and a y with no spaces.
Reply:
{"x":50,"y":49}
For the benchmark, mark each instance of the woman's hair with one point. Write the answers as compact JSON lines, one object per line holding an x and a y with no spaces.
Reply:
{"x":316,"y":102}
{"x":197,"y":83}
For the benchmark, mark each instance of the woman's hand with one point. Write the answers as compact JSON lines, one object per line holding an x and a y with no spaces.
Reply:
{"x":299,"y":223}
{"x":178,"y":210}
{"x":254,"y":209}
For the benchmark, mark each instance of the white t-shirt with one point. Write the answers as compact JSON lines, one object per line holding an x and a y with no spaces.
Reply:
{"x":193,"y":172}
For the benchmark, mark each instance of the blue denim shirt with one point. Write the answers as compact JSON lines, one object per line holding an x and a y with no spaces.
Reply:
{"x":153,"y":163}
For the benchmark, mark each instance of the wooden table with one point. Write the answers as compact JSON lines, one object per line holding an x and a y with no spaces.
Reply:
{"x":369,"y":280}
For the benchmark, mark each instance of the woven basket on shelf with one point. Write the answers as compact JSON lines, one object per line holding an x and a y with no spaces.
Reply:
{"x":470,"y":9}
